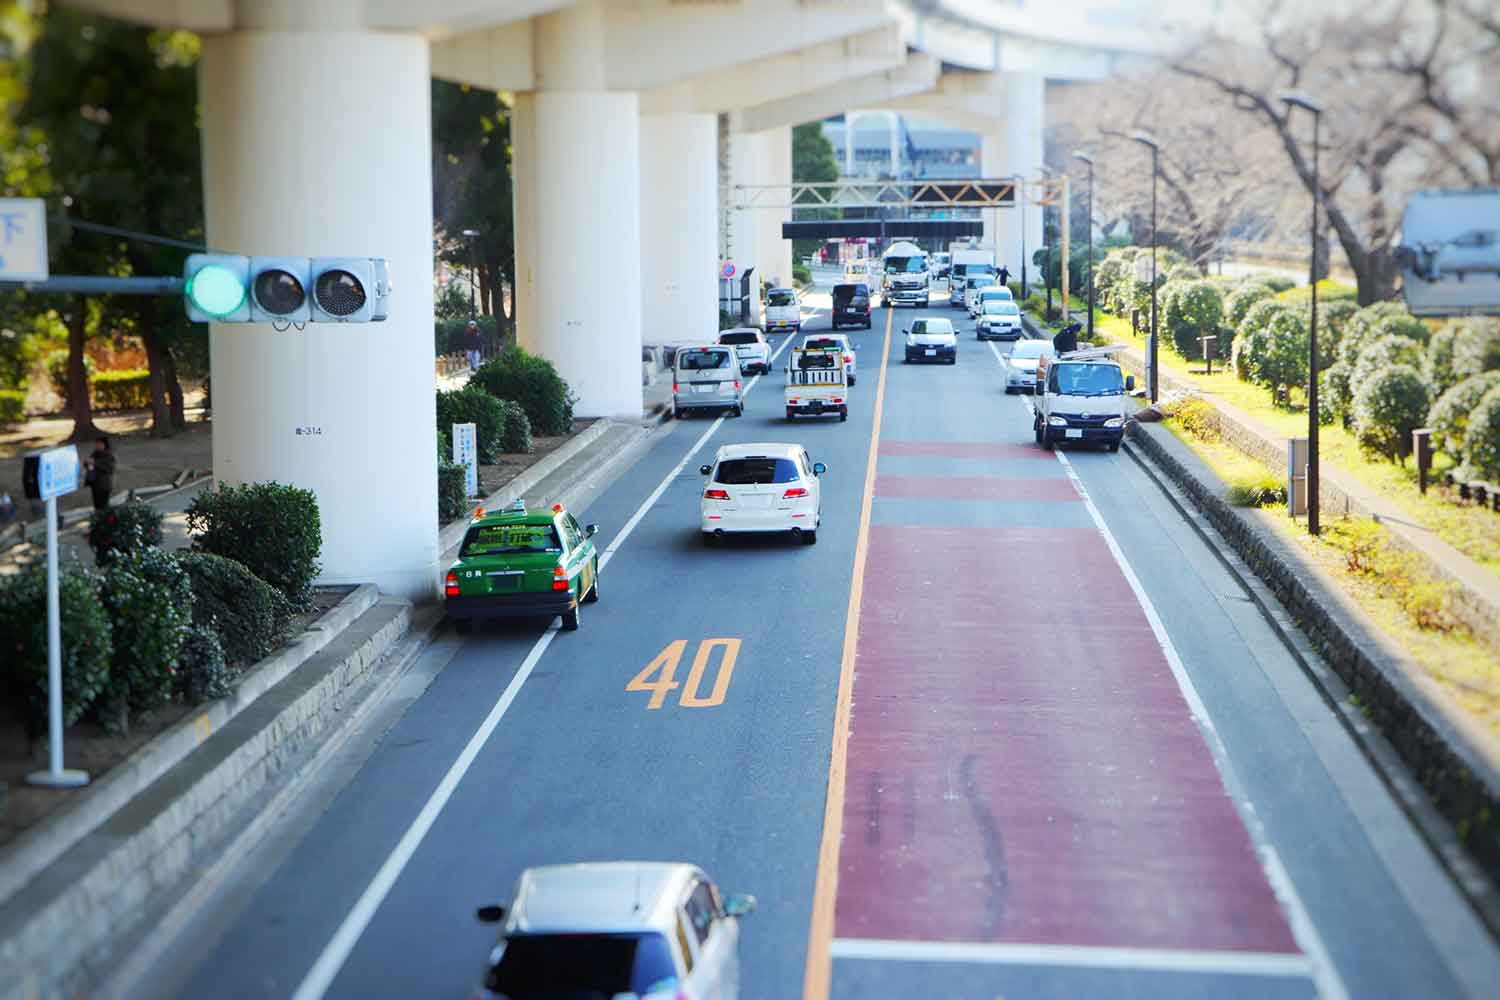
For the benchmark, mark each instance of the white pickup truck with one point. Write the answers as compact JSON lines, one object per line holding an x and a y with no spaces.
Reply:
{"x":1082,"y":398}
{"x":816,"y":383}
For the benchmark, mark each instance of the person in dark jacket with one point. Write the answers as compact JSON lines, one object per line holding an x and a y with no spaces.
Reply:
{"x":1067,"y":338}
{"x":1004,"y":275}
{"x":473,"y":343}
{"x":101,"y":472}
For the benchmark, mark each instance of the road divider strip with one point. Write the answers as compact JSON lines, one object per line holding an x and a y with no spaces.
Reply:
{"x":1235,"y":963}
{"x":819,"y":970}
{"x":333,"y":956}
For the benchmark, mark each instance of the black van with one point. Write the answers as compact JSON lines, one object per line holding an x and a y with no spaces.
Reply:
{"x":851,"y":305}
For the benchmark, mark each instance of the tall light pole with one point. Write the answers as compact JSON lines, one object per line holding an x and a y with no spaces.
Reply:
{"x":1020,"y":201}
{"x":1292,"y":100}
{"x":471,"y":235}
{"x":1148,"y":140}
{"x":1086,"y":158}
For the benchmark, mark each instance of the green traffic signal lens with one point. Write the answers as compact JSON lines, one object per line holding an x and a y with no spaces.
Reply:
{"x":216,"y":290}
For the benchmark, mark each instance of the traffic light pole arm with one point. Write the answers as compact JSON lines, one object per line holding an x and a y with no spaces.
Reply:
{"x":78,"y":284}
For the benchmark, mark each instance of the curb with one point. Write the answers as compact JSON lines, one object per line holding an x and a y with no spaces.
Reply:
{"x":36,"y":848}
{"x":1438,"y":764}
{"x":55,"y":938}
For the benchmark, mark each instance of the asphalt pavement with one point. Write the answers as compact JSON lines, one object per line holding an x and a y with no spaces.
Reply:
{"x":1077,"y":761}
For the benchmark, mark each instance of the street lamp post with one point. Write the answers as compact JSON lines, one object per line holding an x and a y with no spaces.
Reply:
{"x":1086,"y":158}
{"x":1298,"y":100}
{"x":1020,"y":200}
{"x":471,"y":235}
{"x":1148,"y":140}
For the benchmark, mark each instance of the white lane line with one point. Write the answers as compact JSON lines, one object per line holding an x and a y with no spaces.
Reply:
{"x":339,"y":947}
{"x":1330,"y":986}
{"x":1229,"y":963}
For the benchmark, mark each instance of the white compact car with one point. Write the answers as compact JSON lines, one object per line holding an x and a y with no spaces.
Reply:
{"x":1021,"y":364}
{"x":999,"y":318}
{"x":750,"y":346}
{"x":973,"y":286}
{"x":644,"y":930}
{"x":783,"y":310}
{"x":833,"y":342}
{"x":931,"y":340}
{"x":989,"y":293}
{"x":761,"y":488}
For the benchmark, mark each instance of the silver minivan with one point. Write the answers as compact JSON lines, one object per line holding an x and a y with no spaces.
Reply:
{"x":707,"y":378}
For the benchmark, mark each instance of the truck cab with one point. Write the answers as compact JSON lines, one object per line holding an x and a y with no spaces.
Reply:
{"x":1082,"y":398}
{"x":816,"y":383}
{"x":907,"y":276}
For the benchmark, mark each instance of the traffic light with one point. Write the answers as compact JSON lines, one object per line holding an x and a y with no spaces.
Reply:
{"x":226,"y":288}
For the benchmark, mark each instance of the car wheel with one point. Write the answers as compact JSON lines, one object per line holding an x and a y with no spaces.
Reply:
{"x":1009,"y":391}
{"x":851,"y":379}
{"x":843,"y":413}
{"x":710,"y":539}
{"x":737,"y":411}
{"x":1114,"y":446}
{"x":791,"y":414}
{"x":463,"y":625}
{"x":810,"y":538}
{"x":676,"y":413}
{"x":867,"y":324}
{"x":592,"y":597}
{"x":571,"y":619}
{"x":1047,"y":441}
{"x":1036,"y":428}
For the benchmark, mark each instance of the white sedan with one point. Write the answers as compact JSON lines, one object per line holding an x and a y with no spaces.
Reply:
{"x":751,"y":488}
{"x":833,"y":342}
{"x":1021,"y":364}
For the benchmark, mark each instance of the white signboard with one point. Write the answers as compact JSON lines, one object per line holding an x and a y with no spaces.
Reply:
{"x":466,"y":453}
{"x":23,"y":239}
{"x":57,"y":472}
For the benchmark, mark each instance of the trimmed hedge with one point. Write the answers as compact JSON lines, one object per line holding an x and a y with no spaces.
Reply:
{"x":1476,"y":348}
{"x":57,"y":373}
{"x":1449,"y":416}
{"x":532,"y":382}
{"x":516,"y":438}
{"x":125,"y":389}
{"x":1482,"y":438}
{"x":149,"y":600}
{"x":274,"y":529}
{"x":452,"y":498}
{"x":202,"y":672}
{"x":12,"y":406}
{"x":1380,"y":354}
{"x":127,"y":528}
{"x":1279,"y":357}
{"x":473,"y":405}
{"x":1388,"y":406}
{"x":1239,"y":301}
{"x":1189,"y":310}
{"x":248,"y":615}
{"x":23,"y":637}
{"x":448,"y":334}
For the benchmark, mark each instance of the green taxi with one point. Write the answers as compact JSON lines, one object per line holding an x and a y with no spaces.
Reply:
{"x":523,"y":562}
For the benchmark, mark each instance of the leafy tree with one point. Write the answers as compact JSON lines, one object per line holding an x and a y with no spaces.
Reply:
{"x":1476,"y":347}
{"x":1449,"y":416}
{"x":813,"y":161}
{"x":1482,"y":438}
{"x":472,"y":185}
{"x":1282,"y":353}
{"x":1239,"y":301}
{"x":1380,"y":354}
{"x":1388,"y":407}
{"x":1193,"y":309}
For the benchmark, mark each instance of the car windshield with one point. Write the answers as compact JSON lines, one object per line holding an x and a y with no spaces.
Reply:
{"x":1086,"y":380}
{"x":569,"y":966}
{"x":1032,"y":349}
{"x":1001,"y":307}
{"x":931,"y":327}
{"x":738,"y":338}
{"x":502,"y":539}
{"x":755,"y":471}
{"x":780,"y":298}
{"x":817,"y":359}
{"x":983,"y":281}
{"x":905,"y":265}
{"x":702,"y":359}
{"x":822,"y":344}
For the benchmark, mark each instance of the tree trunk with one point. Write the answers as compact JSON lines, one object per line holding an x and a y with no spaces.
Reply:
{"x":161,"y":417}
{"x":78,"y":379}
{"x":1376,"y":272}
{"x":175,"y":401}
{"x":486,"y":308}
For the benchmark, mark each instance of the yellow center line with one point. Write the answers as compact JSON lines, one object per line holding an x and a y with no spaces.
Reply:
{"x":815,"y":983}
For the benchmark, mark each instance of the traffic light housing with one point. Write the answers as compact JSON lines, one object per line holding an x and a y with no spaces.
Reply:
{"x":228,"y":288}
{"x":278,"y":290}
{"x":215,"y":288}
{"x":343,"y":289}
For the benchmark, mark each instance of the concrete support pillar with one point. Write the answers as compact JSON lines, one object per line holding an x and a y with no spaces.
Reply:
{"x":1014,"y":147}
{"x":346,"y":411}
{"x":679,"y":237}
{"x":747,"y":156}
{"x":776,"y":160}
{"x":577,"y":217}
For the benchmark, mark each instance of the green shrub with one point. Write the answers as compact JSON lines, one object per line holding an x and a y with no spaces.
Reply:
{"x":120,"y":530}
{"x":1276,"y":283}
{"x":1388,"y":406}
{"x":1482,"y":437}
{"x":728,"y":320}
{"x":515,"y":439}
{"x":1197,"y":417}
{"x":1329,"y":292}
{"x":125,"y":389}
{"x":1449,"y":416}
{"x":1256,"y":491}
{"x":272,"y":528}
{"x":248,"y":615}
{"x":444,"y":446}
{"x":452,"y":492}
{"x":472,"y":405}
{"x":1183,"y":273}
{"x":23,"y":637}
{"x":12,"y":406}
{"x":1279,"y":352}
{"x":1239,"y":301}
{"x":202,"y":671}
{"x":1259,"y":316}
{"x":1380,"y":354}
{"x":1335,"y":394}
{"x":1367,"y":325}
{"x":534,"y":383}
{"x":800,"y":272}
{"x":149,"y":600}
{"x":56,"y":364}
{"x":1476,"y":347}
{"x":1333,"y":320}
{"x":1437,"y":360}
{"x":1116,"y":264}
{"x":1193,"y":309}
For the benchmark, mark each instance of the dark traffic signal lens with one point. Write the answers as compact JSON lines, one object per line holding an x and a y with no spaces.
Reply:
{"x":279,"y":292}
{"x":339,"y":293}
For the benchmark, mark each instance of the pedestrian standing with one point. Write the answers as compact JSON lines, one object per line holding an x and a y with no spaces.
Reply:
{"x":100,"y":474}
{"x":1004,"y":275}
{"x":472,"y":343}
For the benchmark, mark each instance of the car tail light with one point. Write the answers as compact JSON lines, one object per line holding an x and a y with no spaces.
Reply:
{"x":716,"y":494}
{"x":838,"y":399}
{"x":793,"y":493}
{"x":736,"y":385}
{"x":848,"y":358}
{"x":793,"y":402}
{"x":450,"y":584}
{"x":674,"y":386}
{"x":559,"y":578}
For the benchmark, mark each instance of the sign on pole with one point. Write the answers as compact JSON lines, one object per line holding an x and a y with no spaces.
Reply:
{"x":23,"y":239}
{"x":726,"y":270}
{"x":466,"y":453}
{"x":46,"y":476}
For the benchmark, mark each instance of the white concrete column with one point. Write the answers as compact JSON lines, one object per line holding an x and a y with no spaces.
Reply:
{"x":679,"y":234}
{"x":776,"y":160}
{"x":576,"y":155}
{"x":1013,"y":147}
{"x":747,"y":156}
{"x":343,"y":410}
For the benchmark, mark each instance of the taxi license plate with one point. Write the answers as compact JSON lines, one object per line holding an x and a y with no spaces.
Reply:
{"x":1073,"y":434}
{"x":931,"y":352}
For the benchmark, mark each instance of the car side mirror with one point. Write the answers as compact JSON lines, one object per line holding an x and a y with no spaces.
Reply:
{"x":490,"y":914}
{"x":907,"y":331}
{"x":819,"y":468}
{"x":739,"y":905}
{"x":591,"y":531}
{"x":1129,"y":383}
{"x":704,"y":470}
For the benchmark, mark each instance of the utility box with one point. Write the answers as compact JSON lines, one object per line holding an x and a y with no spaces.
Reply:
{"x":1296,"y":476}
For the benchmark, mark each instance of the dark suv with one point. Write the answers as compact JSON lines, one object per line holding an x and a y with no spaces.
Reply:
{"x":851,"y":305}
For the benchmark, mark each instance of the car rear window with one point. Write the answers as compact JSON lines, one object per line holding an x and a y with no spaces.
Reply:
{"x":702,"y":359}
{"x":505,"y":539}
{"x":780,"y":299}
{"x":755,"y":471}
{"x":846,"y":293}
{"x":822,"y":344}
{"x":738,"y":338}
{"x":817,"y":359}
{"x":565,"y":966}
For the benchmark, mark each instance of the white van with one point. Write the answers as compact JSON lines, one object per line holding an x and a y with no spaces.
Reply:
{"x":707,"y":378}
{"x":783,"y":310}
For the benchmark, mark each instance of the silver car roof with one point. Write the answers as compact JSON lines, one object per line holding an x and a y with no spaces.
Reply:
{"x":609,"y":897}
